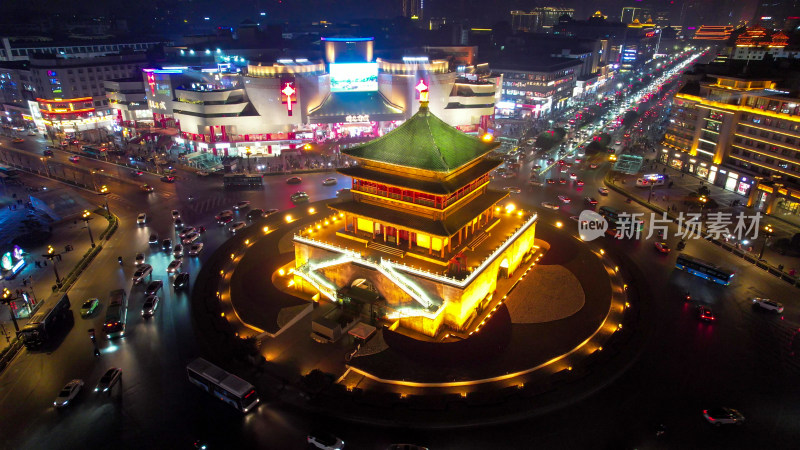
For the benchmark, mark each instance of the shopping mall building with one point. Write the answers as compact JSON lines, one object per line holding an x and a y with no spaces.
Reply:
{"x":236,"y":107}
{"x":742,"y":134}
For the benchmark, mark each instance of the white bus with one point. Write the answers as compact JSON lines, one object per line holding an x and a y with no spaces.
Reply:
{"x":225,"y":386}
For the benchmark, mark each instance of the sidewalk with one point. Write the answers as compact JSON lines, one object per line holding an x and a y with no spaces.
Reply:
{"x":38,"y":281}
{"x":672,"y":198}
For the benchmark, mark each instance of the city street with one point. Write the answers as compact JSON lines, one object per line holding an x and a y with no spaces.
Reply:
{"x":742,"y":360}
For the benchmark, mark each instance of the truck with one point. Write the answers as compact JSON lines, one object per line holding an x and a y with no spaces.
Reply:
{"x":47,"y":323}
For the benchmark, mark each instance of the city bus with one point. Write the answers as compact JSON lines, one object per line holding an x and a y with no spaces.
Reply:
{"x":116,"y":314}
{"x":242,"y":180}
{"x":223,"y":385}
{"x":45,"y":324}
{"x":94,"y":152}
{"x":9,"y":172}
{"x":704,"y":269}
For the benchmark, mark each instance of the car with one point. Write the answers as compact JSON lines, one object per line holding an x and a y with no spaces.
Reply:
{"x":590,"y":200}
{"x":705,"y":314}
{"x":68,"y":393}
{"x":174,"y":266}
{"x":195,"y":249}
{"x":723,"y":416}
{"x":575,"y":218}
{"x":225,"y":220}
{"x":768,"y":304}
{"x":255,"y":214}
{"x":18,"y":140}
{"x":244,"y":204}
{"x":137,"y":173}
{"x":74,"y":158}
{"x":573,"y":176}
{"x":562,"y":181}
{"x":602,"y":191}
{"x":168,"y":179}
{"x":342,"y":192}
{"x":512,"y":189}
{"x":564,"y":199}
{"x":563,"y":169}
{"x":535,"y":183}
{"x":185,"y":231}
{"x":47,"y":152}
{"x":225,"y":213}
{"x":176,"y":214}
{"x":139,"y":260}
{"x":201,"y":229}
{"x":329,"y":181}
{"x":550,"y":205}
{"x":550,"y":181}
{"x":153,"y":287}
{"x":618,"y":143}
{"x":166,"y":245}
{"x":270,"y":211}
{"x":141,"y":273}
{"x":149,"y":306}
{"x":89,"y":307}
{"x":662,"y":247}
{"x":181,"y":281}
{"x":536,"y":167}
{"x":202,"y":173}
{"x":299,"y":196}
{"x":236,"y":226}
{"x":191,"y":237}
{"x":178,"y":222}
{"x":146,"y":188}
{"x":578,"y":182}
{"x":153,"y":239}
{"x":551,"y":161}
{"x":141,"y":219}
{"x":325,"y":441}
{"x":108,"y":380}
{"x":177,"y":252}
{"x":294,"y":180}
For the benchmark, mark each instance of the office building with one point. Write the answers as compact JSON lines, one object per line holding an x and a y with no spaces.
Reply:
{"x":538,"y":20}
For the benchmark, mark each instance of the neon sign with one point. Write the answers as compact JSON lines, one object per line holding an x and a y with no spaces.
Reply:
{"x":288,"y":91}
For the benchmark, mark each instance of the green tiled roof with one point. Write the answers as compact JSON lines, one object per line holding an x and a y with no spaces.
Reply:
{"x":424,"y":142}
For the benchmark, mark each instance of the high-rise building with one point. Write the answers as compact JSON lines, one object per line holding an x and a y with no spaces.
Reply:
{"x":777,"y":13}
{"x":413,"y":9}
{"x":538,"y":20}
{"x":632,"y":14}
{"x":741,"y":133}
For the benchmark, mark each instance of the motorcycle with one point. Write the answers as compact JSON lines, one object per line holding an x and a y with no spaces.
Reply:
{"x":119,"y":260}
{"x":681,"y":245}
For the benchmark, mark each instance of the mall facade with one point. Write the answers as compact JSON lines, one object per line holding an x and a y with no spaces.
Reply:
{"x":236,"y":107}
{"x":741,"y":134}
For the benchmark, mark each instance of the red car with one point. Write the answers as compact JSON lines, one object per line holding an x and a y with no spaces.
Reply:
{"x":579,"y":182}
{"x":705,"y":314}
{"x":662,"y":247}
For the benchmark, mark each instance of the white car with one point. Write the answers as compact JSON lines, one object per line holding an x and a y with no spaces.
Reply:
{"x":191,"y":237}
{"x":139,"y":260}
{"x":723,"y":416}
{"x":512,"y":189}
{"x":195,"y":249}
{"x":236,"y":226}
{"x":325,"y":441}
{"x":564,"y":199}
{"x":177,"y":252}
{"x":329,"y":182}
{"x":174,"y":266}
{"x":549,"y":205}
{"x":241,"y":205}
{"x":602,"y":191}
{"x":186,"y":231}
{"x":768,"y":304}
{"x":176,"y":214}
{"x":68,"y":393}
{"x":141,"y":219}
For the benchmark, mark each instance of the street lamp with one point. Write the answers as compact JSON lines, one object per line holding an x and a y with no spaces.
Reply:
{"x":9,"y":297}
{"x":94,"y":183}
{"x":768,"y":231}
{"x":247,"y":153}
{"x":54,"y":257}
{"x":104,"y":192}
{"x":46,"y":167}
{"x":86,"y":218}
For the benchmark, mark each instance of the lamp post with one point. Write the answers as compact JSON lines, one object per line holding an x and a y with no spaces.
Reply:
{"x":86,"y":218}
{"x":703,"y":199}
{"x":247,"y":153}
{"x":768,"y":230}
{"x":53,"y":257}
{"x":104,"y":192}
{"x":94,"y":183}
{"x":46,"y":167}
{"x":9,"y":297}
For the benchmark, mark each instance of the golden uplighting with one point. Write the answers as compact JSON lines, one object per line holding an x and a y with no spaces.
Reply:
{"x":559,"y":224}
{"x":222,"y":272}
{"x":487,"y":137}
{"x":497,"y":209}
{"x":319,"y":226}
{"x":311,"y":210}
{"x":602,"y":252}
{"x":288,"y":217}
{"x":247,"y":242}
{"x":510,"y":208}
{"x":281,"y":272}
{"x":341,"y":214}
{"x":291,"y":283}
{"x":266,"y":229}
{"x":222,"y":314}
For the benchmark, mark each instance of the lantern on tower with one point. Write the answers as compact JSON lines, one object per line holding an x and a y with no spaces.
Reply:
{"x":288,"y":94}
{"x":422,"y":89}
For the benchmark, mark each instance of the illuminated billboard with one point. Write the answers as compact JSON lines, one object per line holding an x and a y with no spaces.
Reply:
{"x":354,"y":77}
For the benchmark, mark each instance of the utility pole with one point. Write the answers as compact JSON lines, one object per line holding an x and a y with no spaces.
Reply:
{"x":86,"y":220}
{"x":54,"y":257}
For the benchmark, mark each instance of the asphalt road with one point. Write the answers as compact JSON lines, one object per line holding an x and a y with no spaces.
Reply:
{"x":742,"y":360}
